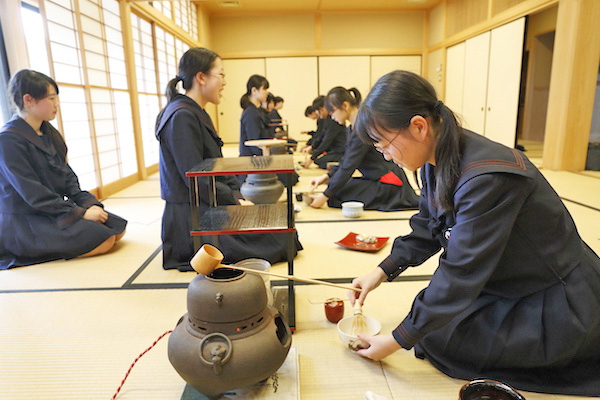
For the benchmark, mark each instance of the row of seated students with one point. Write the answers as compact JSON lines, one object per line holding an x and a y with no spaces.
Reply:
{"x":516,"y":291}
{"x":382,"y":185}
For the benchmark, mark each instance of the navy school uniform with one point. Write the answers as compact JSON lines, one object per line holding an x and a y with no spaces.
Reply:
{"x":314,"y":135}
{"x":383,"y":185}
{"x":275,"y":119}
{"x":516,"y":295}
{"x":41,"y":202}
{"x":187,"y":136}
{"x":330,"y":144}
{"x":254,"y":125}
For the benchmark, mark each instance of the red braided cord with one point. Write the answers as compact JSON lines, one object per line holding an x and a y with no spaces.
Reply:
{"x":136,"y":360}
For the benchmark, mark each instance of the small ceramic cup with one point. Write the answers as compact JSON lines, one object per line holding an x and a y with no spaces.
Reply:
{"x":352,"y":209}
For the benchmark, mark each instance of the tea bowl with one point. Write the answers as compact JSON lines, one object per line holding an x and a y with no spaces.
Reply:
{"x":352,"y":209}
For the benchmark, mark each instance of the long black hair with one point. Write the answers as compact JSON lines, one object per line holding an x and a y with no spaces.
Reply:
{"x":319,"y":102}
{"x":338,"y":95}
{"x":394,"y":100}
{"x":28,"y":81}
{"x":255,"y":81}
{"x":196,"y":59}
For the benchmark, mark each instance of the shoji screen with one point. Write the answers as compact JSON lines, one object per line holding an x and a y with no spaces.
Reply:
{"x":147,"y":85}
{"x":294,"y":79}
{"x":183,"y":13}
{"x":88,"y":64}
{"x":167,"y":60}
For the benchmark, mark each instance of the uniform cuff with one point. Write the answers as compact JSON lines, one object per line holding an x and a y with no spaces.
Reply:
{"x":391,"y":269}
{"x":406,"y":336}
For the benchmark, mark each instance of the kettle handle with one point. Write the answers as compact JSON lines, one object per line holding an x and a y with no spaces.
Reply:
{"x":215,"y":350}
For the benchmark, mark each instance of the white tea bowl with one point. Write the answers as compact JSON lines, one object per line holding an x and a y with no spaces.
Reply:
{"x":344,"y":328}
{"x":352,"y":209}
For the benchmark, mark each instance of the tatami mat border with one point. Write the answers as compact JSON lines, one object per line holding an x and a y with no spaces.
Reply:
{"x":314,"y":221}
{"x":580,"y":204}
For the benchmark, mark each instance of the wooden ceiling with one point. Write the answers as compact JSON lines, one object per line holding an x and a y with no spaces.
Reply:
{"x":229,"y":7}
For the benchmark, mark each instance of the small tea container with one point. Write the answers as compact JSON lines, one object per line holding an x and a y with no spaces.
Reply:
{"x":334,"y":309}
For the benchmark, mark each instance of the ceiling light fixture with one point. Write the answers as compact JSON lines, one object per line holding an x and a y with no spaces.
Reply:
{"x":229,"y":3}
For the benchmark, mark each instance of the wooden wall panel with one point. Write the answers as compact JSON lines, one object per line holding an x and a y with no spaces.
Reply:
{"x":463,"y":14}
{"x":262,"y":33}
{"x":372,"y":30}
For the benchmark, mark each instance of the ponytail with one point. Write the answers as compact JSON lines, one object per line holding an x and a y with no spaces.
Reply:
{"x":172,"y":91}
{"x":338,"y":95}
{"x":244,"y":101}
{"x":393,"y":101}
{"x":447,"y":155}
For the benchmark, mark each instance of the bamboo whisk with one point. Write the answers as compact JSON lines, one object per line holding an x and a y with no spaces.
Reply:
{"x":359,"y":325}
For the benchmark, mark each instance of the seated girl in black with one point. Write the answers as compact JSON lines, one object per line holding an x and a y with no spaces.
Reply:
{"x":44,"y":214}
{"x":383,"y":185}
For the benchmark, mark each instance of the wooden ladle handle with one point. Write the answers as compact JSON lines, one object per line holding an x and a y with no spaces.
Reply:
{"x":209,"y":258}
{"x":294,"y":278}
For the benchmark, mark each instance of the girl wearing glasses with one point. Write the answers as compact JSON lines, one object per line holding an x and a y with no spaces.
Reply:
{"x":516,"y":293}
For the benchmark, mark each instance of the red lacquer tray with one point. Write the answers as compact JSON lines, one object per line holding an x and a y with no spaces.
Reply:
{"x":350,"y":242}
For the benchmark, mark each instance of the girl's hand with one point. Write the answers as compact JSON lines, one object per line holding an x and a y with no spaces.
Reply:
{"x":367,"y":283}
{"x":307,"y":163}
{"x":380,"y":346}
{"x":96,"y":214}
{"x":307,"y":150}
{"x":319,"y":200}
{"x":314,"y":182}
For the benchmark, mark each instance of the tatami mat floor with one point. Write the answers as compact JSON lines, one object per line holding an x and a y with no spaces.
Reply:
{"x":71,"y":329}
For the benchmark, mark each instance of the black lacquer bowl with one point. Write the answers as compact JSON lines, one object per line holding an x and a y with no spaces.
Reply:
{"x":487,"y":389}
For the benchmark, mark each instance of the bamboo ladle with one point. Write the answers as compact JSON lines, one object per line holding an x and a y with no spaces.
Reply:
{"x":209,"y":258}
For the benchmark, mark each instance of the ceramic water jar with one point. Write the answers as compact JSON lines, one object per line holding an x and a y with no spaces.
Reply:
{"x":262,"y":188}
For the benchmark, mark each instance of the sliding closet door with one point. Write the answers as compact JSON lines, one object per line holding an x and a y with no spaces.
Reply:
{"x":381,"y":65}
{"x":294,"y":79}
{"x":504,"y":80}
{"x":475,"y":82}
{"x":455,"y":77}
{"x":351,"y":71}
{"x":229,"y":111}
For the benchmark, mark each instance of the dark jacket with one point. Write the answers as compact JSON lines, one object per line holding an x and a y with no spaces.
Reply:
{"x":184,"y":142}
{"x":363,"y":157}
{"x":253,"y":126}
{"x":331,"y":139}
{"x":34,"y":175}
{"x":510,"y":236}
